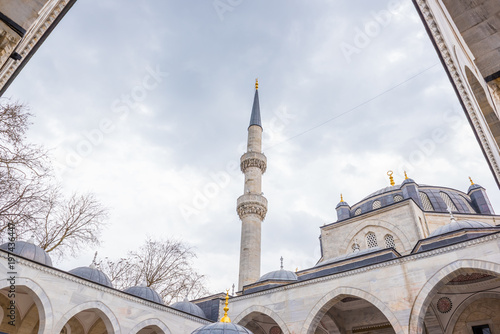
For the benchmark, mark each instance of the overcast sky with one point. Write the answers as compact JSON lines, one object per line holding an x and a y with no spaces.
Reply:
{"x":147,"y":104}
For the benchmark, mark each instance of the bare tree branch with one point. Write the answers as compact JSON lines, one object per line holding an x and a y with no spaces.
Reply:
{"x":164,"y":265}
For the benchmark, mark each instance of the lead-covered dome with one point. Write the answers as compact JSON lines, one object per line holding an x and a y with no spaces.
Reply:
{"x":145,"y":292}
{"x":92,"y":274}
{"x":222,"y":328}
{"x":279,"y":275}
{"x":28,"y":250}
{"x":456,"y":225}
{"x":188,"y":307}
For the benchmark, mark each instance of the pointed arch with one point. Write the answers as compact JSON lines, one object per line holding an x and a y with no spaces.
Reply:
{"x":107,"y":316}
{"x":466,"y":303}
{"x":41,"y":300}
{"x":151,"y":322}
{"x":261,"y":309}
{"x":334,"y":296}
{"x":438,"y":280}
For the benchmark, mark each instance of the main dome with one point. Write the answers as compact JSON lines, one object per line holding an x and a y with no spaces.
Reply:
{"x":28,"y":250}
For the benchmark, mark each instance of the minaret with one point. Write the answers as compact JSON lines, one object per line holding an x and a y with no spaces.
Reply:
{"x":252,"y":206}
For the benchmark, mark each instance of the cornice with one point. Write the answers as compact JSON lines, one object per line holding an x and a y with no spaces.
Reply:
{"x":394,"y":262}
{"x":458,"y":82}
{"x":115,"y":292}
{"x":32,"y":38}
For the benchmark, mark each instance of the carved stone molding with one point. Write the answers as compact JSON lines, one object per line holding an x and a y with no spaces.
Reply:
{"x":460,"y":86}
{"x":252,"y":204}
{"x":253,"y":159}
{"x":35,"y":33}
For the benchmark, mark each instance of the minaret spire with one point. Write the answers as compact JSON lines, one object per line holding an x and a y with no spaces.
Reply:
{"x":252,"y":206}
{"x":255,"y":118}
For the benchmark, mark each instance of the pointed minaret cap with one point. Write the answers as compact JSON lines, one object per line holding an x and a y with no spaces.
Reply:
{"x":255,"y":118}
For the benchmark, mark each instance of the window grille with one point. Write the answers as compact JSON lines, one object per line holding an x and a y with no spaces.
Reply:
{"x":426,"y":202}
{"x":371,"y":240}
{"x":376,"y":205}
{"x":357,"y":212}
{"x":389,"y":241}
{"x":466,"y":201}
{"x":398,"y":198}
{"x":449,"y":203}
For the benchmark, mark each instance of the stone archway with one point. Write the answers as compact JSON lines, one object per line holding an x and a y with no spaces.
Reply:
{"x":438,"y":281}
{"x":489,"y":114}
{"x":150,"y":326}
{"x":378,"y":317}
{"x":35,"y":309}
{"x":93,"y":316}
{"x":260,"y":319}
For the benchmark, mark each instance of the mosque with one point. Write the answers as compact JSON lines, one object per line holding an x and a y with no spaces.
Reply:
{"x":407,"y":258}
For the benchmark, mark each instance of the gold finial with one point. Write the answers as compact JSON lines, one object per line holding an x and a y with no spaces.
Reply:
{"x":341,"y":198}
{"x":225,"y":318}
{"x":256,"y":84}
{"x":471,"y":182}
{"x":406,"y":176}
{"x":391,"y":178}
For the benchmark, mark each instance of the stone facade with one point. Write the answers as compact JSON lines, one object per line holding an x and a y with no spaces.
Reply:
{"x":465,"y":34}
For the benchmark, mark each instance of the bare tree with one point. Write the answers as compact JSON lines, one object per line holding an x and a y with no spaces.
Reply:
{"x":30,"y":199}
{"x":164,"y":265}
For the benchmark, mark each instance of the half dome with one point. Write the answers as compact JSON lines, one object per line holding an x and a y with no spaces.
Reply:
{"x":145,"y":292}
{"x":456,"y":225}
{"x":29,"y":251}
{"x":92,"y":274}
{"x":188,"y":307}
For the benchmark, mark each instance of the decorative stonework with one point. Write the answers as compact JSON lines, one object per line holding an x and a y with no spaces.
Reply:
{"x":470,"y":278}
{"x":444,"y":305}
{"x":275,"y":330}
{"x":8,"y":42}
{"x":461,"y":88}
{"x":43,"y":23}
{"x":249,"y":208}
{"x":253,"y":159}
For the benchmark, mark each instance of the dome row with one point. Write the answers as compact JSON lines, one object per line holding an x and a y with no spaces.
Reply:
{"x":30,"y":251}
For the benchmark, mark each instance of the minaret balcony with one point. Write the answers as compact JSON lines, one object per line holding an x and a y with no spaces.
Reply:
{"x":251,"y":204}
{"x":253,"y":159}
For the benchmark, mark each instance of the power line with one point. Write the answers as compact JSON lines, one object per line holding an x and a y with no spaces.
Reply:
{"x":354,"y":108}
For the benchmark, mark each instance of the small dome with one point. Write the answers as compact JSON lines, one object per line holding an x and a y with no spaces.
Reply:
{"x":342,"y":203}
{"x":222,"y":328}
{"x":28,"y":250}
{"x":406,"y":181}
{"x":473,"y":186}
{"x":92,"y":274}
{"x":279,"y":275}
{"x":456,"y":225}
{"x":188,"y":307}
{"x":145,"y":292}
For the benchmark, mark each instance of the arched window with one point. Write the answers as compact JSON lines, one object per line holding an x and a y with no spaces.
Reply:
{"x":426,"y":202}
{"x":467,"y":204}
{"x":389,"y":241}
{"x":357,"y":212}
{"x":447,"y":200}
{"x":376,"y":205}
{"x":371,"y":240}
{"x":398,"y":198}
